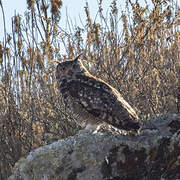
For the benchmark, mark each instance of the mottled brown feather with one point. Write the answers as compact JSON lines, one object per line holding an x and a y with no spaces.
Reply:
{"x":90,"y":100}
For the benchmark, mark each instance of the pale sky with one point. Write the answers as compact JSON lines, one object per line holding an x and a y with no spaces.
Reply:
{"x":75,"y":8}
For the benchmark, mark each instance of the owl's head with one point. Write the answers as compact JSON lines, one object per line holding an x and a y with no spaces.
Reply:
{"x":69,"y":69}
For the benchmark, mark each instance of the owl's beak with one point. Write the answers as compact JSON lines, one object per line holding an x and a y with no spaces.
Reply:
{"x":56,"y":62}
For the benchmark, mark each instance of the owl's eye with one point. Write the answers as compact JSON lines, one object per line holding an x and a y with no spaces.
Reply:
{"x":63,"y":69}
{"x":75,"y":66}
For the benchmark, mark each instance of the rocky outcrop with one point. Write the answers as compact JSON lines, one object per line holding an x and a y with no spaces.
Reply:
{"x":154,"y":154}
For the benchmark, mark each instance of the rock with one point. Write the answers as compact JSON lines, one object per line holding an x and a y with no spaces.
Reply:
{"x":153,"y":154}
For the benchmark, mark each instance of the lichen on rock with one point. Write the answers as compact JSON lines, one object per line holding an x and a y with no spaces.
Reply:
{"x":153,"y":154}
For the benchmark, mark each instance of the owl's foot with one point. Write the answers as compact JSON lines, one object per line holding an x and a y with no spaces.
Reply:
{"x":90,"y":129}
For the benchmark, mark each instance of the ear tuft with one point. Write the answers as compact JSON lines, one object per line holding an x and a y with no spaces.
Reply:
{"x":77,"y":57}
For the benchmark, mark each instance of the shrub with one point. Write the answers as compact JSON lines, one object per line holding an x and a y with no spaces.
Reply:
{"x":136,"y":51}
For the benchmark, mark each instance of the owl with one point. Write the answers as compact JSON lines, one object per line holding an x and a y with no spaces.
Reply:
{"x":91,"y":101}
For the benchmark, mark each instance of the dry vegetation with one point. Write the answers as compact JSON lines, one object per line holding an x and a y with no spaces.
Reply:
{"x":138,"y":53}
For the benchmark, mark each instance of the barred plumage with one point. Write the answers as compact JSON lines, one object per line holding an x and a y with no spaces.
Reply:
{"x":91,"y":101}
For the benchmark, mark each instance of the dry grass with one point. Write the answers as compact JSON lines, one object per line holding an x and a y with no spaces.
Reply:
{"x":142,"y":61}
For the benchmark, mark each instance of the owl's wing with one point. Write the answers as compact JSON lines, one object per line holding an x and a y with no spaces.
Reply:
{"x":102,"y":101}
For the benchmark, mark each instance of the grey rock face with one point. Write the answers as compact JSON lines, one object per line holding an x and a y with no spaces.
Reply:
{"x":153,"y":154}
